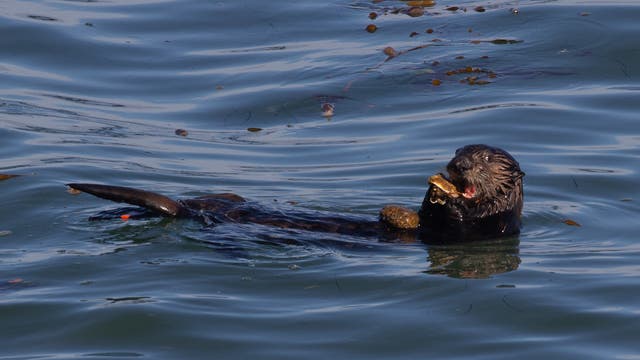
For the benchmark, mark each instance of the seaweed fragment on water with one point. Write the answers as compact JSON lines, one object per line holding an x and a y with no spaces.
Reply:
{"x":371,"y":28}
{"x":474,"y":80}
{"x":130,"y":299}
{"x":7,"y":176}
{"x":497,"y":41}
{"x":421,"y":3}
{"x":571,"y":222}
{"x":475,"y":75}
{"x":41,"y":18}
{"x":390,"y":52}
{"x":415,"y":11}
{"x":505,"y":41}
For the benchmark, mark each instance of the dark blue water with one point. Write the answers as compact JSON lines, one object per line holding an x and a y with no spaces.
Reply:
{"x":93,"y":91}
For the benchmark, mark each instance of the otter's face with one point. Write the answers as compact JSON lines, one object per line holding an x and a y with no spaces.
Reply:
{"x":486,"y":176}
{"x":486,"y":201}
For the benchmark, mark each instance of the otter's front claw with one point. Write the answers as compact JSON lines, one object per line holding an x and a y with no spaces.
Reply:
{"x":437,"y":201}
{"x":438,"y":196}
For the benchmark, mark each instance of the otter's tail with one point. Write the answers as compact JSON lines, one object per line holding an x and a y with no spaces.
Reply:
{"x":146,"y":199}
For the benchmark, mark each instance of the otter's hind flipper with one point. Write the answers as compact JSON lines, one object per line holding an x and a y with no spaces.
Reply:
{"x":146,"y":199}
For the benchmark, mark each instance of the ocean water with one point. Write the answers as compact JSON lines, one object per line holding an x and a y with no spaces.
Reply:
{"x":94,"y":91}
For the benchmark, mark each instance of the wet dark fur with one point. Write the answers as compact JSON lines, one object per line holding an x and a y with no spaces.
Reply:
{"x":219,"y":208}
{"x":494,"y":211}
{"x":496,"y":208}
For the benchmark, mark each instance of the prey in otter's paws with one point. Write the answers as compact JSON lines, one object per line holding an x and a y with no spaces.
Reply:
{"x":481,"y":198}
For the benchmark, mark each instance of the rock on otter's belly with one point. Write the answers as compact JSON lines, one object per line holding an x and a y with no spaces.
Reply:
{"x":399,"y":217}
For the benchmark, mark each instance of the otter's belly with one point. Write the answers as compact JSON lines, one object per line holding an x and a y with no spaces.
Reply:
{"x":451,"y":219}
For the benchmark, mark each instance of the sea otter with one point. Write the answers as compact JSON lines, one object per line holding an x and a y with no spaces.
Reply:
{"x":486,"y":200}
{"x":481,"y":198}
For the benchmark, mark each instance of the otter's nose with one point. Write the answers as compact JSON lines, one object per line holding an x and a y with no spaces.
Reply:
{"x":462,"y":164}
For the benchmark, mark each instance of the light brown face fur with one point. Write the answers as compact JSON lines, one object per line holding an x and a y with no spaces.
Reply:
{"x":488,"y":178}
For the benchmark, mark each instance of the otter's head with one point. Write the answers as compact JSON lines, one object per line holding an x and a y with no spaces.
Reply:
{"x":488,"y":178}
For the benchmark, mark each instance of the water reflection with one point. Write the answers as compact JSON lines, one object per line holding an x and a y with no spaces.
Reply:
{"x":241,"y":242}
{"x":476,"y":260}
{"x":468,"y":260}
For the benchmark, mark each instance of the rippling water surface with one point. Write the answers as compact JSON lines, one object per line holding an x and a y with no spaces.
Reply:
{"x":93,"y":91}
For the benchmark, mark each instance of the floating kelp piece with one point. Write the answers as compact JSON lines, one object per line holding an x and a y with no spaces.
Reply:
{"x":475,"y":79}
{"x":7,"y":176}
{"x":571,"y":222}
{"x":505,"y":41}
{"x":421,"y":3}
{"x":389,"y":51}
{"x":415,"y":11}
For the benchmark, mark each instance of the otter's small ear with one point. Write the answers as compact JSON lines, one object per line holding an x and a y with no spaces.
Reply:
{"x":520,"y":174}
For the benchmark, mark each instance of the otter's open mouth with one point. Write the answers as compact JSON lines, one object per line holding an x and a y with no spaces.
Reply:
{"x":451,"y":190}
{"x":469,"y":191}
